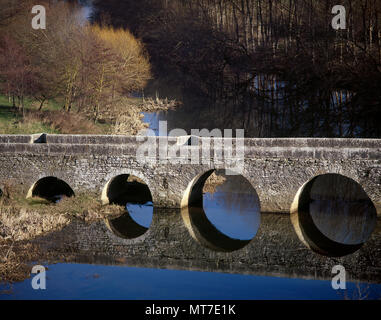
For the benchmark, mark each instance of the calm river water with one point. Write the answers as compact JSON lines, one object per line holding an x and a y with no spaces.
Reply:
{"x":168,"y":263}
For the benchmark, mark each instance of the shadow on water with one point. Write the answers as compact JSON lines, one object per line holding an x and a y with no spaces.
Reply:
{"x":333,"y":215}
{"x":133,"y":194}
{"x":225,"y":218}
{"x":134,"y":223}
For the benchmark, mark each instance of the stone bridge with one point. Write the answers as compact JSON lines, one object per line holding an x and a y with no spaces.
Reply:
{"x":276,"y":167}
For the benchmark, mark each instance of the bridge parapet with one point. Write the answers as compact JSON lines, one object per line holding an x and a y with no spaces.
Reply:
{"x":314,"y":148}
{"x":276,"y":167}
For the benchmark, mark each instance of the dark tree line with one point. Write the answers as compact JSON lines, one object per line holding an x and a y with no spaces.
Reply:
{"x":278,"y":62}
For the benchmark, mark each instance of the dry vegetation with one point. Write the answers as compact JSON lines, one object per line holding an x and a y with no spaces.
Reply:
{"x":25,"y":219}
{"x":129,"y":120}
{"x":13,"y":262}
{"x":213,"y":182}
{"x":62,"y":122}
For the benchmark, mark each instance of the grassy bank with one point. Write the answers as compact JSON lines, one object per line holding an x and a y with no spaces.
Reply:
{"x":51,"y":119}
{"x":124,"y":117}
{"x":12,"y":122}
{"x":24,"y":219}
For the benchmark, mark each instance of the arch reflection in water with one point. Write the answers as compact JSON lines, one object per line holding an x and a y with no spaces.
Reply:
{"x":51,"y":189}
{"x":333,"y":215}
{"x":222,"y":211}
{"x":133,"y":194}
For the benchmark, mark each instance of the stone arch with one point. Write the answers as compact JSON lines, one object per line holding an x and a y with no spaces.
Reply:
{"x":123,"y":189}
{"x":351,"y":172}
{"x":197,"y":222}
{"x":50,"y":188}
{"x":193,"y":193}
{"x":324,"y":206}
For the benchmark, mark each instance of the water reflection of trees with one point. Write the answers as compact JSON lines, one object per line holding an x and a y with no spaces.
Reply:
{"x":279,"y":113}
{"x":274,"y":68}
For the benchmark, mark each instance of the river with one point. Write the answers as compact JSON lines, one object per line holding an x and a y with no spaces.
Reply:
{"x":226,"y":249}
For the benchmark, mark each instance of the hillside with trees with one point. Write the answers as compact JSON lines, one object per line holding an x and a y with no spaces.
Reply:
{"x":87,"y":72}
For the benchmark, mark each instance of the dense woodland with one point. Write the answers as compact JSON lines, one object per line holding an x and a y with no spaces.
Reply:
{"x":279,"y":63}
{"x":86,"y":68}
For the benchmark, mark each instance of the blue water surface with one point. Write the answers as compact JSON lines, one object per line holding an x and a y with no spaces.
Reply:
{"x":141,"y":213}
{"x":239,"y":219}
{"x":84,"y":281}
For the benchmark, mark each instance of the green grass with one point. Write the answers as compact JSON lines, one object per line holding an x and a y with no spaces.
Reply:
{"x":8,"y":118}
{"x":52,"y":105}
{"x":11,"y":122}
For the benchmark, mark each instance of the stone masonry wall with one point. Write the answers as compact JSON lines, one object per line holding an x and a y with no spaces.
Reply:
{"x":276,"y":168}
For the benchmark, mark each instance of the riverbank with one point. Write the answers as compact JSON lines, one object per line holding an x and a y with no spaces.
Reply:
{"x":22,"y":220}
{"x":125,"y":117}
